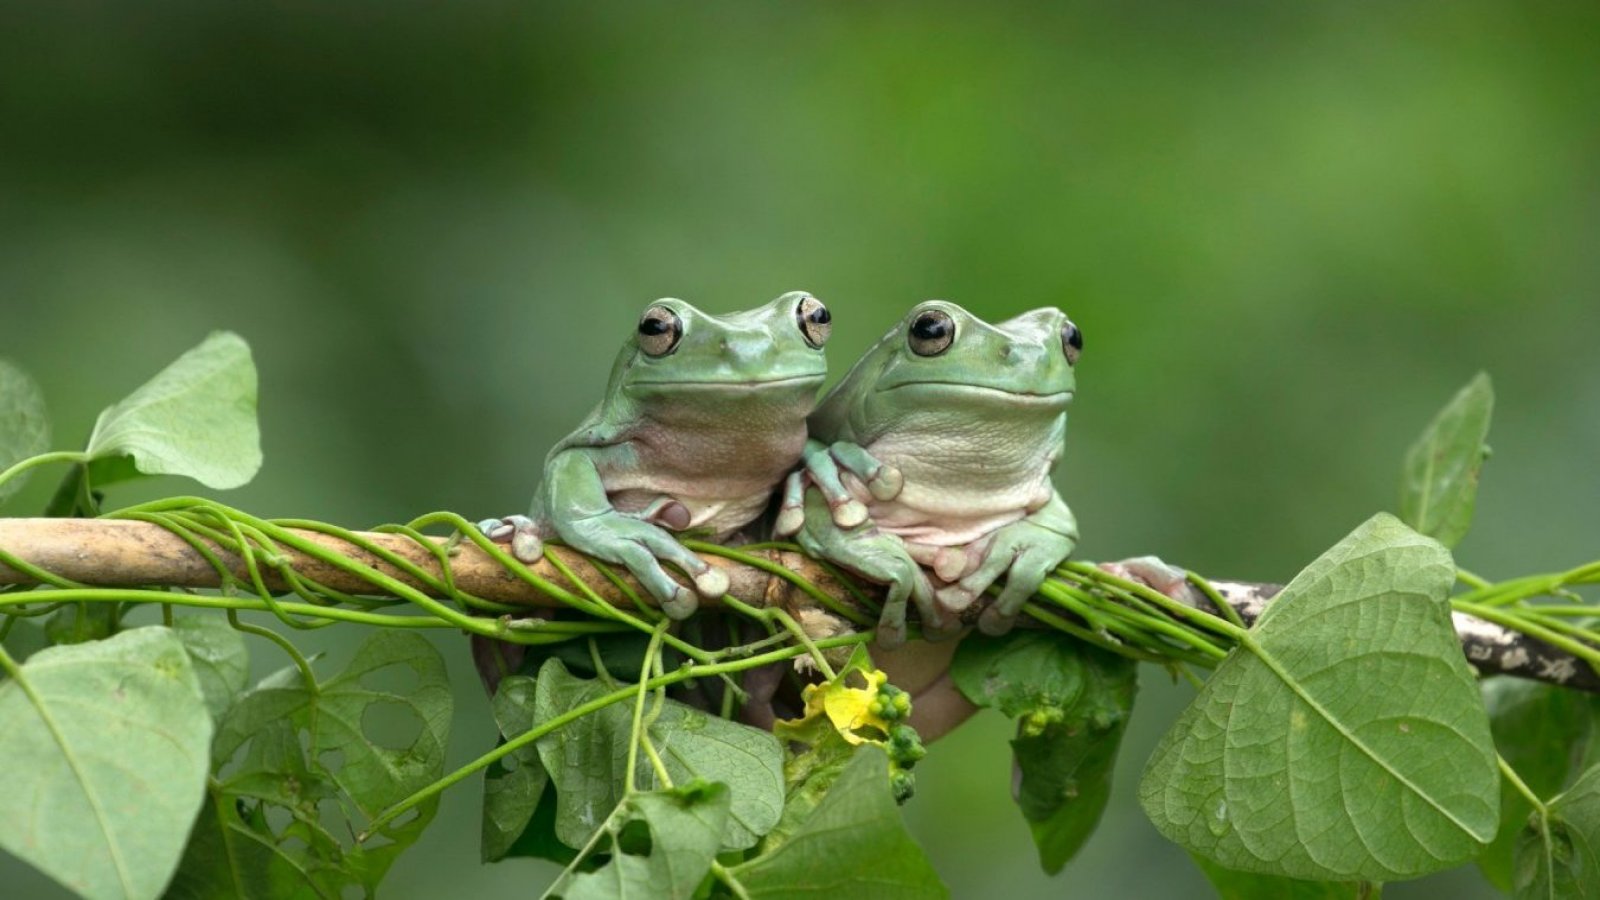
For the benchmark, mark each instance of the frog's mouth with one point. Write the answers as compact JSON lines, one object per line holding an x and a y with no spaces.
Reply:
{"x":1007,"y":395}
{"x":716,"y":385}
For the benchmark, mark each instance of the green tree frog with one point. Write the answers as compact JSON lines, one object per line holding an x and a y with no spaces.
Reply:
{"x":931,"y":462}
{"x":704,"y":415}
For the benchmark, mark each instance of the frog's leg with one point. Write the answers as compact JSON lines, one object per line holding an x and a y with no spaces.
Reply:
{"x":825,"y":466}
{"x":573,"y":499}
{"x":876,"y":556}
{"x":1025,"y":552}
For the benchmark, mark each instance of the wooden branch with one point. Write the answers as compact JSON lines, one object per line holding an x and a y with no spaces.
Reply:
{"x":112,"y":553}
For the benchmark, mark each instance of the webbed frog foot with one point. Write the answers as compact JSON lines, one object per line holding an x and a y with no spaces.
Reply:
{"x":878,"y":557}
{"x":1158,"y":575}
{"x":1024,"y":553}
{"x":826,"y":466}
{"x":522,"y":533}
{"x":642,"y":547}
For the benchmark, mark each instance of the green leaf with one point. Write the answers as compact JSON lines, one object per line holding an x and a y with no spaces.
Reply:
{"x":23,"y":640}
{"x":219,"y":657}
{"x":855,"y":837}
{"x":298,"y":771}
{"x":1071,"y":702}
{"x":513,"y":786}
{"x":1233,"y":885}
{"x":1440,"y":482}
{"x":1546,"y":734}
{"x":24,"y":425}
{"x":1565,"y":862}
{"x":1344,"y":739}
{"x":196,"y":417}
{"x":661,"y":844}
{"x":1021,"y":673}
{"x":587,"y":759}
{"x":78,"y":623}
{"x":105,"y":749}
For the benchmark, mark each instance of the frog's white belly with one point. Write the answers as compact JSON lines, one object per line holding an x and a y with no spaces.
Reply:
{"x":954,"y":499}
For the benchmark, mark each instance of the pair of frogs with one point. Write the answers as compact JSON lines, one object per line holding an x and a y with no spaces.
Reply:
{"x":926,"y":469}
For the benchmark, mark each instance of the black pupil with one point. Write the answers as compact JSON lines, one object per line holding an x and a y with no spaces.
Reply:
{"x":819,"y":316}
{"x":652,"y":327}
{"x":930,"y":328}
{"x":1074,"y":337}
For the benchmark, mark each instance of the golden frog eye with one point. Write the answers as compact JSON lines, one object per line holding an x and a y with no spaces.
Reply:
{"x":1071,"y":343}
{"x":932,"y":333}
{"x":660,"y":329}
{"x":815,"y":321}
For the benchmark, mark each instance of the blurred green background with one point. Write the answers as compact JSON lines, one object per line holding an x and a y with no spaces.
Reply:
{"x":1289,"y":233}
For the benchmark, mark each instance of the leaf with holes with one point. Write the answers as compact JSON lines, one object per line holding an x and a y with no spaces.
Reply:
{"x":1548,"y":735}
{"x":289,"y":760}
{"x":105,"y":750}
{"x":1344,"y":739}
{"x":1440,"y":483}
{"x":1563,"y":861}
{"x":587,"y":759}
{"x":512,"y":786}
{"x":221,"y":661}
{"x":24,"y":426}
{"x":855,"y":834}
{"x":196,"y":417}
{"x":660,"y":843}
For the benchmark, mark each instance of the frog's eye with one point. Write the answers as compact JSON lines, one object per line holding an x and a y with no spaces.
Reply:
{"x":815,"y":321}
{"x":932,"y":333}
{"x":659,"y":331}
{"x":1071,"y":342}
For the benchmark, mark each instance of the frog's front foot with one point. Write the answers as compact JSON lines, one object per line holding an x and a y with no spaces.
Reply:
{"x":642,"y":547}
{"x":877,"y":557}
{"x":521,"y":532}
{"x":1023,"y":553}
{"x":830,"y":468}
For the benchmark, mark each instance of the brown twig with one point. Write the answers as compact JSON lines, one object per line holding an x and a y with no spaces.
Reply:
{"x":113,"y":553}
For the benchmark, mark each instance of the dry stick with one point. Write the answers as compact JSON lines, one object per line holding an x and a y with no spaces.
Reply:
{"x":118,"y":553}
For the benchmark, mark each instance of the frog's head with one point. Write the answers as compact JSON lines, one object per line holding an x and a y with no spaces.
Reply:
{"x":678,"y":351}
{"x":940,"y":354}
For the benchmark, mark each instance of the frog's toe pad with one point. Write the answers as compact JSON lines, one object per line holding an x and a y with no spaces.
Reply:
{"x":495,"y":529}
{"x":526,"y":545}
{"x":790,"y":519}
{"x":681,"y":605}
{"x":886,"y":484}
{"x":712,"y":582}
{"x":849,"y":514}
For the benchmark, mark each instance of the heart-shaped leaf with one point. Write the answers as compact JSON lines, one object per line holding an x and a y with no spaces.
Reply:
{"x":105,"y":746}
{"x":856,"y":829}
{"x":1344,"y":739}
{"x":196,"y":417}
{"x":587,"y":759}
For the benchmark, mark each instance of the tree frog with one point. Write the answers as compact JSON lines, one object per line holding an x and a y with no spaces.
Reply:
{"x":935,"y":451}
{"x":703,"y":417}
